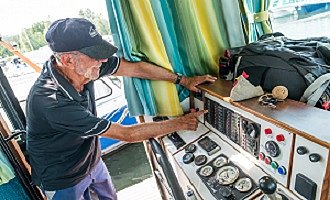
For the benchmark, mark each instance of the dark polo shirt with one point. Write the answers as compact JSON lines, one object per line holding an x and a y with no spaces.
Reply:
{"x":63,"y":129}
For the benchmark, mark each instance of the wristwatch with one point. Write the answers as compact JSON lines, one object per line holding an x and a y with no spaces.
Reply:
{"x":178,"y":78}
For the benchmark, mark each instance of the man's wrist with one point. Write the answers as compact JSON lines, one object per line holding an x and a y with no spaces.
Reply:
{"x":178,"y":78}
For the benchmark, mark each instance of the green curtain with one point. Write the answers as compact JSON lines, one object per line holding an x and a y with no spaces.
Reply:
{"x":255,"y":18}
{"x":183,"y":36}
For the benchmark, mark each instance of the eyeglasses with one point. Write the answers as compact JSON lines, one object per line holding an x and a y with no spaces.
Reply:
{"x":268,"y":100}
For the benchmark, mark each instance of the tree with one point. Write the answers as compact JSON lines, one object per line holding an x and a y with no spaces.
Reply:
{"x":34,"y":37}
{"x":102,"y":25}
{"x":29,"y":39}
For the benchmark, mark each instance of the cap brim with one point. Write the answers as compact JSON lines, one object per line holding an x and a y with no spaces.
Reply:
{"x":101,"y":51}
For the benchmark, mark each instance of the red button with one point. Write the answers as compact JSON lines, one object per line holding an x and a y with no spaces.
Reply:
{"x":280,"y":137}
{"x":268,"y":131}
{"x":261,"y":156}
{"x":268,"y":160}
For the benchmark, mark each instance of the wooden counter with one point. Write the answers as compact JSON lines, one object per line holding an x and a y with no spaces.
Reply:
{"x":294,"y":116}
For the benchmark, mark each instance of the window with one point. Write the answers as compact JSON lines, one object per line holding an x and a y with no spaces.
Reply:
{"x":298,"y":19}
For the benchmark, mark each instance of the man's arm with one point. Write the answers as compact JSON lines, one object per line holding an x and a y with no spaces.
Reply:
{"x":152,"y":72}
{"x":144,"y":131}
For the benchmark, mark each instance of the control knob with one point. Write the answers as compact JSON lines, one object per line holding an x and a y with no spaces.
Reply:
{"x":268,"y":187}
{"x":314,"y":157}
{"x":301,"y":150}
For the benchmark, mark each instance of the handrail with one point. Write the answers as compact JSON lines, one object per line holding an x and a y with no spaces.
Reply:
{"x":17,"y":53}
{"x":167,"y":169}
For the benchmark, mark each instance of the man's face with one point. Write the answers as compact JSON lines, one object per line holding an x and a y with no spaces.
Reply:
{"x":88,"y":67}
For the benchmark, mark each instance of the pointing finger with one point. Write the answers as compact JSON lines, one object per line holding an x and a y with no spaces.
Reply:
{"x":198,"y":113}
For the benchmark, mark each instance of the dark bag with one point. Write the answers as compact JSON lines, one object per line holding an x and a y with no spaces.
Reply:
{"x":274,"y":61}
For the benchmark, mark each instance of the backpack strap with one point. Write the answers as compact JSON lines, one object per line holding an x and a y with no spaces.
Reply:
{"x":315,"y":90}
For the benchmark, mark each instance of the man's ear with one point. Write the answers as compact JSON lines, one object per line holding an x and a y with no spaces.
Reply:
{"x":67,"y":60}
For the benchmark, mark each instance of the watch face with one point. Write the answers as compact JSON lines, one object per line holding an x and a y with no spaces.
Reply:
{"x":227,"y":175}
{"x":206,"y":171}
{"x":243,"y":184}
{"x":220,"y":161}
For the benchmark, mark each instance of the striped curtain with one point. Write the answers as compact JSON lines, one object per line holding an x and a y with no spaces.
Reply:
{"x":183,"y":36}
{"x":255,"y":18}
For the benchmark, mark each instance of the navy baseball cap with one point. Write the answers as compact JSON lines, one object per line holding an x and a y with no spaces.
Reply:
{"x":78,"y":34}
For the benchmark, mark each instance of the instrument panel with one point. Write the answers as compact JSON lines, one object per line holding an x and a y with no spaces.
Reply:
{"x":233,"y":151}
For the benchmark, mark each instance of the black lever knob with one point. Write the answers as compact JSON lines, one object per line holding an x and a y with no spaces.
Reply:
{"x":267,"y":185}
{"x":314,"y":157}
{"x":188,"y":158}
{"x":301,"y":150}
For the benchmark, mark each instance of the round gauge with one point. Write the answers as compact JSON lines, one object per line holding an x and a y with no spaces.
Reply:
{"x":206,"y":171}
{"x":272,"y":148}
{"x":243,"y":184}
{"x":220,"y":161}
{"x":200,"y":160}
{"x":227,"y":175}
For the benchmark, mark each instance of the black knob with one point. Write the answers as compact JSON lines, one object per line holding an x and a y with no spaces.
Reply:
{"x":188,"y":158}
{"x":272,"y":148}
{"x":267,"y":185}
{"x":301,"y":150}
{"x":190,"y":148}
{"x":314,"y":157}
{"x":225,"y":192}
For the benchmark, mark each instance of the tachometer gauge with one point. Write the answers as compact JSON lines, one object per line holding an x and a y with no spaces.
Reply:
{"x":206,"y":171}
{"x":243,"y":184}
{"x":220,"y":161}
{"x":227,"y":175}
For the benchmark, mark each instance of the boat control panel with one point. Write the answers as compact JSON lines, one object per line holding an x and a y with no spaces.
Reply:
{"x":241,"y":152}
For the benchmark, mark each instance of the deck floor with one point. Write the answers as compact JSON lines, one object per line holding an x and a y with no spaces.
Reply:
{"x":145,"y":190}
{"x":131,"y":173}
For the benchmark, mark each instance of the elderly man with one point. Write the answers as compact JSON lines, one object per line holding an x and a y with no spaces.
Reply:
{"x":62,"y":125}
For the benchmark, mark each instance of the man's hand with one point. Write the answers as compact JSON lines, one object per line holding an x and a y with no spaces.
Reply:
{"x":191,"y":82}
{"x":189,"y":121}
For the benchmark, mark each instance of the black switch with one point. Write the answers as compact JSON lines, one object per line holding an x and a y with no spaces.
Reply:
{"x":305,"y":187}
{"x":314,"y":157}
{"x":301,"y":150}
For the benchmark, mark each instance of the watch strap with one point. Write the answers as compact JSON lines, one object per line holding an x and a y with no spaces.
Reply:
{"x":178,"y":78}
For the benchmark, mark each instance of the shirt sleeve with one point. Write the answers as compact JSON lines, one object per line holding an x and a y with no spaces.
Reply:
{"x":110,"y":67}
{"x":73,"y":118}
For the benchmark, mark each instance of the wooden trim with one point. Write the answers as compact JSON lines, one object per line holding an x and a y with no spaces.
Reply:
{"x":291,"y":160}
{"x":325,"y":191}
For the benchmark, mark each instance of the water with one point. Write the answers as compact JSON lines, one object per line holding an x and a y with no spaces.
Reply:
{"x":128,"y":166}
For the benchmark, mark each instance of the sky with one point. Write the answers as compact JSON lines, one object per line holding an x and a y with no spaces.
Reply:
{"x":18,"y":14}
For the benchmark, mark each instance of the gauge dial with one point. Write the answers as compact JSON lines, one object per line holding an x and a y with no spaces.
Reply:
{"x":227,"y":175}
{"x":206,"y":171}
{"x":243,"y":184}
{"x":220,"y":161}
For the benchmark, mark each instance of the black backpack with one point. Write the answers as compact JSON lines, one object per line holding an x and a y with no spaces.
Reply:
{"x":273,"y":61}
